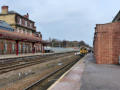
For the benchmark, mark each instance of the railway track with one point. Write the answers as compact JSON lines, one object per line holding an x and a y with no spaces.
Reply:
{"x":9,"y":61}
{"x":50,"y":78}
{"x":27,"y":63}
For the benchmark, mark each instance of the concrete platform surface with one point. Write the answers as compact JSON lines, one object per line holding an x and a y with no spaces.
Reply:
{"x":87,"y":75}
{"x":100,"y":76}
{"x":71,"y":79}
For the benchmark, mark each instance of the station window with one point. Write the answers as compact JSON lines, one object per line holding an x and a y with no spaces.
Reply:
{"x":5,"y":47}
{"x":20,"y":21}
{"x":31,"y":48}
{"x":30,"y":32}
{"x":30,"y":25}
{"x":19,"y":47}
{"x":25,"y":23}
{"x":17,"y":29}
{"x":25,"y":31}
{"x":26,"y":47}
{"x":13,"y":47}
{"x":40,"y":47}
{"x":21,"y":30}
{"x":23,"y":47}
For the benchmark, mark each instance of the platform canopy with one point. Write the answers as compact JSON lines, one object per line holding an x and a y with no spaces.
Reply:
{"x":19,"y":36}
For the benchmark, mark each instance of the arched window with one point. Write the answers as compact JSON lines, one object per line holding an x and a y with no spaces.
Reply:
{"x":20,"y":21}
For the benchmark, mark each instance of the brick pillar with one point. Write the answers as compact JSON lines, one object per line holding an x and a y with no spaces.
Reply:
{"x":17,"y":48}
{"x":43,"y":51}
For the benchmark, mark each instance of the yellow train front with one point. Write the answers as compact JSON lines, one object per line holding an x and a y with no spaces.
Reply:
{"x":83,"y":51}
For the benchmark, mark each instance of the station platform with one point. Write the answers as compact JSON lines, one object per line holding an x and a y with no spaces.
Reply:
{"x":71,"y":79}
{"x":22,"y":55}
{"x":87,"y":75}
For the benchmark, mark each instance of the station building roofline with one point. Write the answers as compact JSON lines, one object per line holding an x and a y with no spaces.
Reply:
{"x":109,"y":23}
{"x":15,"y":13}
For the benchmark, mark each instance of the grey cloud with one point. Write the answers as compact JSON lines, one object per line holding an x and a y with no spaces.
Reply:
{"x":66,"y":19}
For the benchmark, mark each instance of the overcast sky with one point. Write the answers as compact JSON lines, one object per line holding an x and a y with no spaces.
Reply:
{"x":66,"y":19}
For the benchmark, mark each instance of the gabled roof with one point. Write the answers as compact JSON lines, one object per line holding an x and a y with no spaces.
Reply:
{"x":5,"y":26}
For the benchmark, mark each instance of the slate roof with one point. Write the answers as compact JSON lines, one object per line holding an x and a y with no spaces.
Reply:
{"x":5,"y":26}
{"x":13,"y":12}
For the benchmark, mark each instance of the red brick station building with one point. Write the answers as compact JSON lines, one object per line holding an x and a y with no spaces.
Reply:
{"x":18,"y":34}
{"x":107,"y":42}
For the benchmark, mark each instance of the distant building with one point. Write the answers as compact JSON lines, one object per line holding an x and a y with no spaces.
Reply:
{"x":18,"y":34}
{"x":66,"y":44}
{"x":70,"y":44}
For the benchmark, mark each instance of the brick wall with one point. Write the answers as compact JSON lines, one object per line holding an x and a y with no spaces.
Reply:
{"x":107,"y":43}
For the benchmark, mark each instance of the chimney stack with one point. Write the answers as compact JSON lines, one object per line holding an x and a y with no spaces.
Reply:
{"x":4,"y":10}
{"x":26,"y":16}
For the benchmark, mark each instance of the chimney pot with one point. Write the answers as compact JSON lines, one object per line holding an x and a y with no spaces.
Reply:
{"x":4,"y":7}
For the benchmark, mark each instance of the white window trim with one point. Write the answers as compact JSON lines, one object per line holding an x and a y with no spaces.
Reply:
{"x":13,"y":46}
{"x":20,"y":21}
{"x":5,"y":47}
{"x":26,"y":23}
